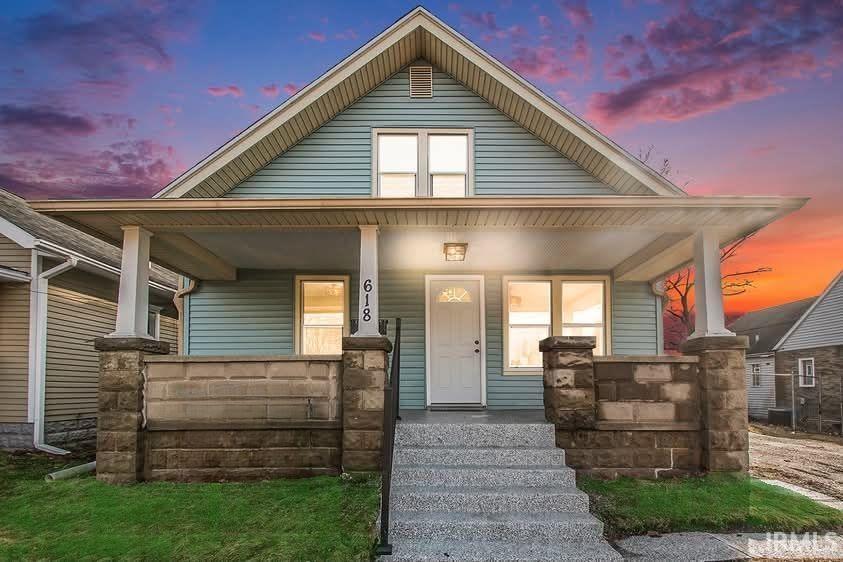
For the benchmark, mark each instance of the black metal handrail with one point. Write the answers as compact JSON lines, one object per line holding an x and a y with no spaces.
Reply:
{"x":390,"y":416}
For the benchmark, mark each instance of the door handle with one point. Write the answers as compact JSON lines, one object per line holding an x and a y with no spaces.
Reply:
{"x":476,"y":351}
{"x":476,"y":342}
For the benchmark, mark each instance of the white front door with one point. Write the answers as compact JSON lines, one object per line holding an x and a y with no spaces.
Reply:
{"x":455,"y":340}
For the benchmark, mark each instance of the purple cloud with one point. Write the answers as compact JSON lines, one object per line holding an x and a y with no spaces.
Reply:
{"x":577,"y":12}
{"x":270,"y":90}
{"x":317,"y":36}
{"x":46,"y":120}
{"x":701,"y":59}
{"x":222,"y":91}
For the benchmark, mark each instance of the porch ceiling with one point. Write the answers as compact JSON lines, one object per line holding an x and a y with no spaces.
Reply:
{"x":638,"y":238}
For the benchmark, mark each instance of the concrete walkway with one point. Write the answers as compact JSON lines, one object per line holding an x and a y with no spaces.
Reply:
{"x":818,"y":497}
{"x":705,"y":547}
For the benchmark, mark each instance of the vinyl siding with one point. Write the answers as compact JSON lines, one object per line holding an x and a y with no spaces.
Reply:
{"x":74,"y":320}
{"x":761,"y":398}
{"x":336,"y":160}
{"x":254,"y":315}
{"x":824,"y":324}
{"x":14,"y":351}
{"x":251,"y":316}
{"x":12,"y":255}
{"x":170,"y":332}
{"x":635,"y":320}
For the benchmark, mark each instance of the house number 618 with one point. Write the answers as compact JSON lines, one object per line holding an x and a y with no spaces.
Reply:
{"x":367,"y":288}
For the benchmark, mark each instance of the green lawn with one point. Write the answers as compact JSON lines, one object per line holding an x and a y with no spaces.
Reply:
{"x":322,"y":518}
{"x":711,"y":503}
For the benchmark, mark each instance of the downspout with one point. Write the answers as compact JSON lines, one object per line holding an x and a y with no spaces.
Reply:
{"x":178,"y":301}
{"x":38,"y":347}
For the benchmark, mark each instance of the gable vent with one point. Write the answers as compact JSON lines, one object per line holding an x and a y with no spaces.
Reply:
{"x":421,"y":81}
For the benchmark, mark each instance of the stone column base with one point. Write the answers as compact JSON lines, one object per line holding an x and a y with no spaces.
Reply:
{"x":120,"y":435}
{"x":725,"y":419}
{"x":569,"y":397}
{"x":363,"y":380}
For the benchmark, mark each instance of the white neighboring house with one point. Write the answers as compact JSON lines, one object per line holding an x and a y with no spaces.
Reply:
{"x":765,"y":328}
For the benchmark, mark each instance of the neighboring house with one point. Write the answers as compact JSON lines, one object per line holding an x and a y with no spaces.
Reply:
{"x":812,"y":350}
{"x":765,"y":328}
{"x":421,"y":178}
{"x":58,"y":291}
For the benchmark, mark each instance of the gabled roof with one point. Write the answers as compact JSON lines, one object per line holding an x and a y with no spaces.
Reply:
{"x":30,"y":229}
{"x":765,"y":327}
{"x":827,"y":330}
{"x":417,"y":35}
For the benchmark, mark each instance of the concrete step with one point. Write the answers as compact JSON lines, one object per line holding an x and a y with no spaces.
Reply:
{"x":490,"y":500}
{"x":485,"y":551}
{"x":505,"y":527}
{"x":475,"y":435}
{"x":447,"y":476}
{"x":491,"y":457}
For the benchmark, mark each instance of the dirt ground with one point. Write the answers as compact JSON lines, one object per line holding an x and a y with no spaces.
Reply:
{"x":815,"y":462}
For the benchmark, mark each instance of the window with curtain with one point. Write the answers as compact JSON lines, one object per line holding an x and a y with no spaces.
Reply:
{"x":322,"y":316}
{"x":529,"y":318}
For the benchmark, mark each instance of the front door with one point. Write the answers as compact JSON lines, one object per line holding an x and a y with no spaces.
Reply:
{"x":455,"y":340}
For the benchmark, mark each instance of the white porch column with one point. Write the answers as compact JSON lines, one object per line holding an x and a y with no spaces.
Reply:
{"x":133,"y":298}
{"x":708,"y":293}
{"x":367,"y":307}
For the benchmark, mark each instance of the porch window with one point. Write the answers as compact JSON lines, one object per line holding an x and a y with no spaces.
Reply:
{"x":529,"y":314}
{"x":153,"y":322}
{"x":538,"y":307}
{"x":322,"y":314}
{"x":582,"y":311}
{"x":806,"y":372}
{"x":422,"y":162}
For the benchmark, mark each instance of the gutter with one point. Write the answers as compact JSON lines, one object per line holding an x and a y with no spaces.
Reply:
{"x":178,"y":302}
{"x":38,"y":346}
{"x":51,"y":247}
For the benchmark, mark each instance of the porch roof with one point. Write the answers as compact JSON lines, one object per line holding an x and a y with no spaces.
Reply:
{"x":178,"y":225}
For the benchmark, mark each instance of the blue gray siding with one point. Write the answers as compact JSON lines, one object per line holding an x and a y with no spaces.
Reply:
{"x":254,"y":316}
{"x":335,"y":161}
{"x":635,"y":320}
{"x":823,"y":325}
{"x":763,"y":397}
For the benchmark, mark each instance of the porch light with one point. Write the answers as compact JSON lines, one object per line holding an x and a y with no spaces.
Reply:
{"x":455,"y":251}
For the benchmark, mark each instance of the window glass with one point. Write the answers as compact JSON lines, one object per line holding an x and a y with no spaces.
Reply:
{"x":529,"y":321}
{"x":806,"y":370}
{"x":448,"y":165}
{"x":448,"y":154}
{"x":398,"y":164}
{"x":582,"y":311}
{"x":152,"y":324}
{"x":582,"y":303}
{"x":454,"y":294}
{"x":322,"y":317}
{"x":398,"y":153}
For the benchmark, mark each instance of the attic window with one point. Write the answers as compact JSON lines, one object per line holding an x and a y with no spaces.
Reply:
{"x":421,"y":82}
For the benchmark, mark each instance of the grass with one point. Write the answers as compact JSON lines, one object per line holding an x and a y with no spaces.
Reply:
{"x":323,"y":518}
{"x":712,"y":503}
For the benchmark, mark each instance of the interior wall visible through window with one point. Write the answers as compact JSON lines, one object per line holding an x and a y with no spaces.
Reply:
{"x":322,"y":314}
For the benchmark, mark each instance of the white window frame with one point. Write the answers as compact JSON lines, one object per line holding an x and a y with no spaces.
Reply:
{"x":802,"y":361}
{"x":424,"y":186}
{"x":755,"y":372}
{"x":156,"y":312}
{"x":299,"y":302}
{"x":555,"y":312}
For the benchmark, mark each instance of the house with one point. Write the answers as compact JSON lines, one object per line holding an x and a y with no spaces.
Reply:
{"x":419,"y":179}
{"x":765,"y":328}
{"x":58,"y":291}
{"x":812,"y":351}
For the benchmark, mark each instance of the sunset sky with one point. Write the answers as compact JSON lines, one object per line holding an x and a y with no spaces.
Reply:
{"x":113,"y":99}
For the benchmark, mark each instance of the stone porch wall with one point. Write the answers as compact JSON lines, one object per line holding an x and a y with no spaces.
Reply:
{"x":647,"y":416}
{"x":225,"y":418}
